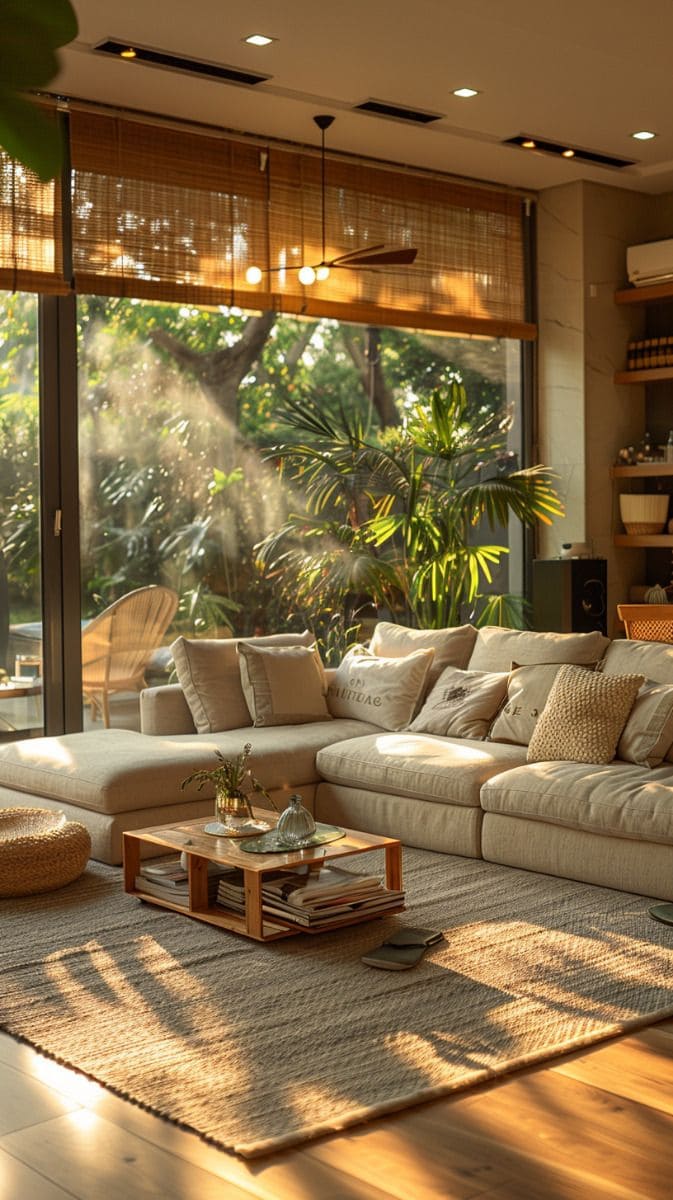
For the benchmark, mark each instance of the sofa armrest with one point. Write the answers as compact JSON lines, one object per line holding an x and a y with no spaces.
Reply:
{"x":164,"y":710}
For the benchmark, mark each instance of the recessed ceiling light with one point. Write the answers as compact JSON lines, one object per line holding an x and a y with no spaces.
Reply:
{"x":644,"y":135}
{"x":259,"y":39}
{"x":465,"y":93}
{"x":567,"y":153}
{"x":128,"y":53}
{"x":529,"y":144}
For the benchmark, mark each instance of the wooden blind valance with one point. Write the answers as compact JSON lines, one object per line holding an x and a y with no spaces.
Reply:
{"x":31,"y":247}
{"x":179,"y":215}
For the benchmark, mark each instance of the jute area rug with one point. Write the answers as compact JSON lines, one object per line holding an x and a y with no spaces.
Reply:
{"x":256,"y":1047}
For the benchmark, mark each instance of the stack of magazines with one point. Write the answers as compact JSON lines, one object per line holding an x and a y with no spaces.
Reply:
{"x":168,"y":880}
{"x":315,"y":899}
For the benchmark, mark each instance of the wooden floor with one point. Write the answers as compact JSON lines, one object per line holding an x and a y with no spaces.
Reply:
{"x":594,"y":1125}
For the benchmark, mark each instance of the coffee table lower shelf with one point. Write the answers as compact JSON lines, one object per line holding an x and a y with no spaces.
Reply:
{"x":254,"y":923}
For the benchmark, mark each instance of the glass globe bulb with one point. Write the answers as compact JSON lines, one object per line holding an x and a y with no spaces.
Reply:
{"x":322,"y":273}
{"x":253,"y":275}
{"x":306,"y":275}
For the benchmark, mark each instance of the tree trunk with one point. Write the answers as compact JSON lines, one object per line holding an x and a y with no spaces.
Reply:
{"x":368,"y":365}
{"x":220,"y":372}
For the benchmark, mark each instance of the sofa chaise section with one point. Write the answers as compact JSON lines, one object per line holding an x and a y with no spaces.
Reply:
{"x":117,"y":779}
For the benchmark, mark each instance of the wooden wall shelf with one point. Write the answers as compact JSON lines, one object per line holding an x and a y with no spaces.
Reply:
{"x":658,"y":541}
{"x":645,"y":295}
{"x":646,"y":375}
{"x":647,"y":470}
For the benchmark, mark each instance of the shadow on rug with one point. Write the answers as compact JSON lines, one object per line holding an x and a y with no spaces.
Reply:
{"x":257,"y":1047}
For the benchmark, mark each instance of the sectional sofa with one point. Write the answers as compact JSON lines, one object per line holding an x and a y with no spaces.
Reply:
{"x":429,"y":736}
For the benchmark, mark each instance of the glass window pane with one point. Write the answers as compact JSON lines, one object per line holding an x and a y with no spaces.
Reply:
{"x":21,"y":711}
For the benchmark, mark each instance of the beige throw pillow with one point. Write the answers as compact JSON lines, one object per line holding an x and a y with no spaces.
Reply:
{"x":648,"y":733}
{"x":209,"y":675}
{"x":527,"y":692}
{"x":382,"y":691}
{"x":583,"y":717}
{"x":283,"y":685}
{"x":461,"y":704}
{"x":452,"y":646}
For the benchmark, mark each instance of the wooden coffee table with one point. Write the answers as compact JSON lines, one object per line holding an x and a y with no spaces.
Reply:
{"x":201,"y":848}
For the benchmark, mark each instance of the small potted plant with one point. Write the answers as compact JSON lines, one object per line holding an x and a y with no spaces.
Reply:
{"x":234,"y":783}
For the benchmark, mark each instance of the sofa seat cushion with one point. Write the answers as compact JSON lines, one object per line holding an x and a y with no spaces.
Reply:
{"x":420,"y":766}
{"x":118,"y":770}
{"x":615,"y":799}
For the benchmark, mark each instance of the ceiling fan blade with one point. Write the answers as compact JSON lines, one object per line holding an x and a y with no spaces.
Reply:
{"x":342,"y":258}
{"x":384,"y":258}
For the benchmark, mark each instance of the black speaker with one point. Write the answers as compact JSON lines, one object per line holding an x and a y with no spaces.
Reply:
{"x":570,"y":594}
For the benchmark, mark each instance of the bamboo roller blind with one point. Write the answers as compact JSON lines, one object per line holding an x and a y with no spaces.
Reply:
{"x":177,"y":215}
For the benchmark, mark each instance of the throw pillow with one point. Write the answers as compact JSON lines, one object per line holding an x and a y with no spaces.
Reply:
{"x":209,"y":675}
{"x":283,"y":685}
{"x":461,"y":704}
{"x":452,"y":646}
{"x":648,"y":733}
{"x":382,"y":691}
{"x":527,"y":692}
{"x":583,"y":717}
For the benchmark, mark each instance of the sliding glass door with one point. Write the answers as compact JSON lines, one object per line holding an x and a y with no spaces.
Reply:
{"x":21,"y":624}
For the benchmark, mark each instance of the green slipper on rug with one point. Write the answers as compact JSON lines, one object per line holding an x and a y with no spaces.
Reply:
{"x":402,"y":950}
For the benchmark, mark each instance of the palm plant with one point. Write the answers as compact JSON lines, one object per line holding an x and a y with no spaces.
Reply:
{"x":399,"y":518}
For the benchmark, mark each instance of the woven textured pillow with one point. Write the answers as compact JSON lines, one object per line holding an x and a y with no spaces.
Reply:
{"x":583,"y":717}
{"x":462,"y":704}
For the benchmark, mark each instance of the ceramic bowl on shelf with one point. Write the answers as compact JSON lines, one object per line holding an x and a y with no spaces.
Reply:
{"x":643,"y":513}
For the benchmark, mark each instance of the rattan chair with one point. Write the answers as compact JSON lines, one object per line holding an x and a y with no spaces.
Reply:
{"x":118,"y":644}
{"x":647,"y":622}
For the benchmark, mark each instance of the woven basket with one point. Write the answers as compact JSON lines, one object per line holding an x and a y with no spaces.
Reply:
{"x":643,"y":513}
{"x":40,"y":850}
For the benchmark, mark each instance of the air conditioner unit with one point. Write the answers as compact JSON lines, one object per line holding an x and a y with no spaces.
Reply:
{"x":650,"y":263}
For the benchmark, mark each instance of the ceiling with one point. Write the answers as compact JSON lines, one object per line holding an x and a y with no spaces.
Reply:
{"x":586,"y":73}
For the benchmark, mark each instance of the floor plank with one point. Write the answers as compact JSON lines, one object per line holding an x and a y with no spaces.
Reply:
{"x":17,"y":1180}
{"x":24,"y":1101}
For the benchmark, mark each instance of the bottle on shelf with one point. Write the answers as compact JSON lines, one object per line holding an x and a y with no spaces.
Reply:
{"x":668,"y":452}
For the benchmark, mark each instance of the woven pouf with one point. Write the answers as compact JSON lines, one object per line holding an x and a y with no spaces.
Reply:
{"x":40,"y":850}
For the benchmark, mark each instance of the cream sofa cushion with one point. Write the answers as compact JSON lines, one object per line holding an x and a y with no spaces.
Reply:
{"x":584,"y":716}
{"x":461,"y":704}
{"x":452,"y":646}
{"x":416,"y":765}
{"x":495,"y":649}
{"x":118,"y":770}
{"x":648,"y":733}
{"x":283,"y":685}
{"x":209,"y":675}
{"x":617,"y":799}
{"x":384,"y":691}
{"x":654,"y":660}
{"x":527,"y":691}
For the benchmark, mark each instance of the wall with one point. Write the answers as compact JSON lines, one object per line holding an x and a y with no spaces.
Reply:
{"x":584,"y":417}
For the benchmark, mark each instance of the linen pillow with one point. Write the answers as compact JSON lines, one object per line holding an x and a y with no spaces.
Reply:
{"x":583,"y":717}
{"x":209,"y":675}
{"x":461,"y":704}
{"x":452,"y":646}
{"x":527,"y":692}
{"x":382,"y":691}
{"x":283,"y":685}
{"x":648,"y":733}
{"x":495,"y":648}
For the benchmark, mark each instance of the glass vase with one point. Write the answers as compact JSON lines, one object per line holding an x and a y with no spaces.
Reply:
{"x":232,"y":809}
{"x":295,"y":823}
